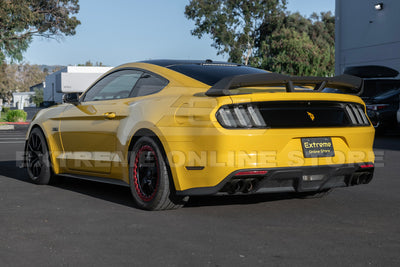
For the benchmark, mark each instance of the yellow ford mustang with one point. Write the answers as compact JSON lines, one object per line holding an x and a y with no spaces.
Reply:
{"x":171,"y":129}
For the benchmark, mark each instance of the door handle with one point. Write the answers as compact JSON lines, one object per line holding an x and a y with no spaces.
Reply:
{"x":109,"y":115}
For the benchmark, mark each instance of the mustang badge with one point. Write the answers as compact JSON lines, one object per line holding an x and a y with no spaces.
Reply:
{"x":312,"y":117}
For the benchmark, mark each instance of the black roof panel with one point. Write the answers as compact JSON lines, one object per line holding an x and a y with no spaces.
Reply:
{"x":205,"y":71}
{"x":170,"y":62}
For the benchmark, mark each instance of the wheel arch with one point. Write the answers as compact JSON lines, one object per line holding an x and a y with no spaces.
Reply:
{"x":53,"y":162}
{"x":149,"y":133}
{"x":46,"y":139}
{"x":31,"y":128}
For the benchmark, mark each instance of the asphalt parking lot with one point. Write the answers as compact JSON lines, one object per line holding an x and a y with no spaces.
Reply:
{"x":80,"y":223}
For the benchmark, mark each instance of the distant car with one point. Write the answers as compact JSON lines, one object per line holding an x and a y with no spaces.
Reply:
{"x":171,"y":129}
{"x":381,"y":94}
{"x":382,"y":109}
{"x":46,"y":104}
{"x":398,"y":114}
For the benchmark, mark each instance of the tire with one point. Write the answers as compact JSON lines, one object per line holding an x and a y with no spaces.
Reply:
{"x":37,"y":158}
{"x":311,"y":195}
{"x":149,"y":177}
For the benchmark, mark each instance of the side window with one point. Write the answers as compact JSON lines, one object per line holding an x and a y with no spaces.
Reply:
{"x":116,"y":85}
{"x":148,"y":84}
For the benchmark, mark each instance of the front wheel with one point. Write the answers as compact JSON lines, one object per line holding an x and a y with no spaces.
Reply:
{"x":37,"y":158}
{"x":149,"y":177}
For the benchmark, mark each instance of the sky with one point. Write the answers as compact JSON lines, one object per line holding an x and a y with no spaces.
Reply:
{"x":120,"y":31}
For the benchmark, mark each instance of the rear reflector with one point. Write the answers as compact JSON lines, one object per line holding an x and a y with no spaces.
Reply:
{"x":376,"y":107}
{"x":367,"y":166}
{"x":314,"y":177}
{"x":251,"y":173}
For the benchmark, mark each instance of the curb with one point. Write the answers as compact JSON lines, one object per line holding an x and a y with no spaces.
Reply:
{"x":14,"y":125}
{"x":7,"y":127}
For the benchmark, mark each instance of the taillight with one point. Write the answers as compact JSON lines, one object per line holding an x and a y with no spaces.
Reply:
{"x":240,"y":116}
{"x":376,"y":107}
{"x":357,"y":115}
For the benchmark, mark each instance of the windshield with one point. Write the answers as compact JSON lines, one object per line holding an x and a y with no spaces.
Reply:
{"x":388,"y":94}
{"x":373,"y":88}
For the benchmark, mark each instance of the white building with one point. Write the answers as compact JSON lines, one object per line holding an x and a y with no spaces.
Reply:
{"x":367,"y":33}
{"x":70,"y":79}
{"x":22,"y":99}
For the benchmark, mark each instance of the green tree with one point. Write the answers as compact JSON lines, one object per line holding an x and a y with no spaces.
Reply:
{"x":18,"y":78}
{"x":20,"y":20}
{"x":38,"y":97}
{"x":29,"y":75}
{"x":8,"y":83}
{"x":90,"y":64}
{"x":263,"y":34}
{"x":294,"y":53}
{"x":301,"y":46}
{"x":233,"y":25}
{"x":87,"y":63}
{"x":323,"y":28}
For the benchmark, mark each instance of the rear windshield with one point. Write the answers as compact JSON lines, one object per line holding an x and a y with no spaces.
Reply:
{"x":373,"y":87}
{"x":212,"y":73}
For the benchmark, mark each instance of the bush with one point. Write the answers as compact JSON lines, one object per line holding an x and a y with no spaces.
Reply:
{"x":16,"y":115}
{"x":5,"y":109}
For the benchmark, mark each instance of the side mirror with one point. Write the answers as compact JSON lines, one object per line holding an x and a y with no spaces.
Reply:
{"x":71,"y":98}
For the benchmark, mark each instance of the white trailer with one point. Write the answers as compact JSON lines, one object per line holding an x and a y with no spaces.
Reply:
{"x":71,"y":79}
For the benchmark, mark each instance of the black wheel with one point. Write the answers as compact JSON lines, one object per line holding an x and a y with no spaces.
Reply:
{"x":317,"y":194}
{"x":37,"y":158}
{"x":150,"y":181}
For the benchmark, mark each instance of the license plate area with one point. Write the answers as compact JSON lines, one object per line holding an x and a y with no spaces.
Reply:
{"x":317,"y":147}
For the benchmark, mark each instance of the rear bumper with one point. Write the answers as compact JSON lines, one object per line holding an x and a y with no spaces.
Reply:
{"x":289,"y":179}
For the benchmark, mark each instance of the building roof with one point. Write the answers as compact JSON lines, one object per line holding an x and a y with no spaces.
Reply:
{"x":85,"y":69}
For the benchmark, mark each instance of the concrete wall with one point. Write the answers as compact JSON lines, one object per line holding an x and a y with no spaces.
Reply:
{"x":366,"y":36}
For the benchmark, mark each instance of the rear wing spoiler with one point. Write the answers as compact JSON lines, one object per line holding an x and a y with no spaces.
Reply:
{"x":345,"y":83}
